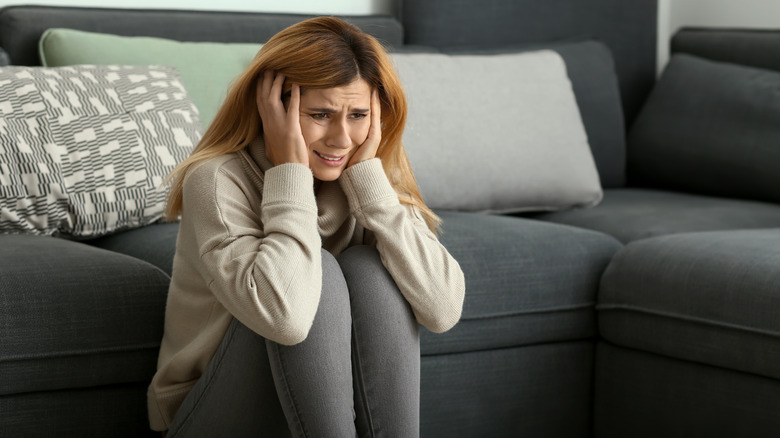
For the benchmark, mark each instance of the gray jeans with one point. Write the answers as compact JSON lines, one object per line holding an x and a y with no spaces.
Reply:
{"x":356,"y":374}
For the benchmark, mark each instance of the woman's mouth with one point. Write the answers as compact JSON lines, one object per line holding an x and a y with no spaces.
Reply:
{"x":330,"y":160}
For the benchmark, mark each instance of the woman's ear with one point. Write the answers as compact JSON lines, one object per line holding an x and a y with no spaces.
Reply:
{"x":286,"y":93}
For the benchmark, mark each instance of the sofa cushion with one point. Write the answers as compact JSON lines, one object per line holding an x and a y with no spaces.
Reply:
{"x":709,"y":297}
{"x":206,"y":68}
{"x":75,"y":316}
{"x":496,"y":133}
{"x":593,"y":76}
{"x":21,"y":26}
{"x":712,"y":128}
{"x":155,"y":244}
{"x":527,"y":282}
{"x":753,"y":47}
{"x":590,"y":68}
{"x":631,"y":214}
{"x":84,"y":150}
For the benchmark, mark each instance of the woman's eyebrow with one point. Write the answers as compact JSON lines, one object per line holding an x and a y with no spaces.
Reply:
{"x":327,"y":110}
{"x":320,"y":110}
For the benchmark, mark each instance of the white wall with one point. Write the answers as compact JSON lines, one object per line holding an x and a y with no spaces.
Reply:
{"x":338,"y":7}
{"x":673,"y":14}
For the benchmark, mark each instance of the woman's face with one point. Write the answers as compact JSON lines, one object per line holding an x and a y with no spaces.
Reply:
{"x":334,"y":123}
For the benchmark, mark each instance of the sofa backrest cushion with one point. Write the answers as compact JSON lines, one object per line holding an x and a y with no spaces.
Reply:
{"x":628,"y":28}
{"x":84,"y":150}
{"x":710,"y":127}
{"x":753,"y":47}
{"x":591,"y":70}
{"x":206,"y":69}
{"x":496,"y":132}
{"x":595,"y":81}
{"x":21,"y":26}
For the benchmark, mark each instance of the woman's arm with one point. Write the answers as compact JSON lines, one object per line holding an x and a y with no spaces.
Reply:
{"x":262,"y":262}
{"x":427,"y":275}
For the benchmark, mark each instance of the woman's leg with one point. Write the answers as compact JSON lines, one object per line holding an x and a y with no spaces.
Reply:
{"x":251,"y":384}
{"x":235,"y":396}
{"x":386,"y":348}
{"x":314,"y":378}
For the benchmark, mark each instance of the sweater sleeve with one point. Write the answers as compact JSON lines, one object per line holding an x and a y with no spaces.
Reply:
{"x":428,"y":276}
{"x":263,"y":266}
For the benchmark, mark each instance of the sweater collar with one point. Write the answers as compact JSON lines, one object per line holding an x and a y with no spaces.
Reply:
{"x":257,"y":151}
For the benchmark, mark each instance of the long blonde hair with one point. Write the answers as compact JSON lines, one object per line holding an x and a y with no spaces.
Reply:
{"x":321,"y":52}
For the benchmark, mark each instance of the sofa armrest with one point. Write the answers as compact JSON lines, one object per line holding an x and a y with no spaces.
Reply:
{"x":751,"y":47}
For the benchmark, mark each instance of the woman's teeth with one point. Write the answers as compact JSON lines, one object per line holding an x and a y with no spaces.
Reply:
{"x":327,"y":158}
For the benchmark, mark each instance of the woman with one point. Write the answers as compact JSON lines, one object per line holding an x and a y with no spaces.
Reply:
{"x":305,"y":257}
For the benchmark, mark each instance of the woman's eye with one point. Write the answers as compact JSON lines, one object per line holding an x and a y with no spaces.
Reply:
{"x":319,"y":116}
{"x":359,"y":116}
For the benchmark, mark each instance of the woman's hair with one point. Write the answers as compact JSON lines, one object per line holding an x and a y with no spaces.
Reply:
{"x":322,"y":52}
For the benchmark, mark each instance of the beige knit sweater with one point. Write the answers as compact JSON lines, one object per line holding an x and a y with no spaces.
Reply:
{"x":249,"y":247}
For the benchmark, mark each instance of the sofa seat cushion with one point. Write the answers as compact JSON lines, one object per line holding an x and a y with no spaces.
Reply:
{"x":527,"y":282}
{"x":631,"y":214}
{"x":75,"y":316}
{"x":155,"y":244}
{"x":709,"y":297}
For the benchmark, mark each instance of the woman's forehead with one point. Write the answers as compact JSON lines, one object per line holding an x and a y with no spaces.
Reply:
{"x":354,"y":93}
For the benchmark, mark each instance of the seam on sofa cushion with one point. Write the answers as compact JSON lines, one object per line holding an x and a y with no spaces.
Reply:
{"x":532,"y":311}
{"x":73,"y":353}
{"x":688,"y":318}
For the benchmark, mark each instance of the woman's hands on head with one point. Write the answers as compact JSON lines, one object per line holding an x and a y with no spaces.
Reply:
{"x":284,"y":142}
{"x":367,"y":150}
{"x":283,"y":133}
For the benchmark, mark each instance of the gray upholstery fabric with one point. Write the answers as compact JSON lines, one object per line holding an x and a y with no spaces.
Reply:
{"x":631,"y":214}
{"x":642,"y":395}
{"x":709,"y":127}
{"x":533,"y":391}
{"x":591,"y":69}
{"x":527,"y":282}
{"x":627,"y":28}
{"x":22,"y":26}
{"x":710,"y":297}
{"x":76,"y":316}
{"x":105,"y":411}
{"x":155,"y":244}
{"x":4,"y":60}
{"x":753,"y":47}
{"x":592,"y":73}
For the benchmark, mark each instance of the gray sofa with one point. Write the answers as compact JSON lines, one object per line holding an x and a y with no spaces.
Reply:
{"x":650,"y":314}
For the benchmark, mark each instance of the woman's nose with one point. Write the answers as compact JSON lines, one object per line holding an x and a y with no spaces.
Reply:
{"x":338,"y":134}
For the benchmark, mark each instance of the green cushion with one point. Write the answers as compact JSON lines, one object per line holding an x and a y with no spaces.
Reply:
{"x":206,"y":69}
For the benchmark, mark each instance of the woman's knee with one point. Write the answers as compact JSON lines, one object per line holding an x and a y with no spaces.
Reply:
{"x":334,"y":294}
{"x":369,"y":281}
{"x":362,"y":261}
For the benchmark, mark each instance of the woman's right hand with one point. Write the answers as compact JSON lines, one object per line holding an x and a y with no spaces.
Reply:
{"x":282,"y":134}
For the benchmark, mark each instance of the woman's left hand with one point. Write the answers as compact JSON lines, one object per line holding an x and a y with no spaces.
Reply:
{"x":367,"y":150}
